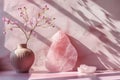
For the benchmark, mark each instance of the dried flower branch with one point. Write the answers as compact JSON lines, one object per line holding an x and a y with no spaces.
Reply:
{"x":34,"y":22}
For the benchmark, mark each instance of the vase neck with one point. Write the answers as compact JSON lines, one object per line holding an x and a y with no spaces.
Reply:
{"x":22,"y":46}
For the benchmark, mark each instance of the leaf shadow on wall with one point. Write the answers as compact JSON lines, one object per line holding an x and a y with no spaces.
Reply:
{"x":108,"y":15}
{"x":94,"y":29}
{"x":90,"y":11}
{"x":114,"y":32}
{"x":117,"y":35}
{"x":83,"y":53}
{"x":66,"y":13}
{"x":112,"y":6}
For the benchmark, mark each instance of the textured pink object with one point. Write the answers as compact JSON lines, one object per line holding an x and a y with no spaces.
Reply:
{"x":62,"y":56}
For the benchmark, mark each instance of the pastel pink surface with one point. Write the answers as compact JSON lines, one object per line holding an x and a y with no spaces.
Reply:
{"x":11,"y":75}
{"x":62,"y":56}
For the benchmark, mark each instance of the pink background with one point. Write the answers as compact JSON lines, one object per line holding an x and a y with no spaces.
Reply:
{"x":92,"y":26}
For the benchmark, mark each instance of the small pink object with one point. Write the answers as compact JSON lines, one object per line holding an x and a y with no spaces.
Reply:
{"x":62,"y":56}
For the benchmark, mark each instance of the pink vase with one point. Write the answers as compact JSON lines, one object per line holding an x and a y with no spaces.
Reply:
{"x":22,"y":58}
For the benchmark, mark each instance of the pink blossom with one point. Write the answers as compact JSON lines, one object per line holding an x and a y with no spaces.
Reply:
{"x":8,"y":21}
{"x":45,"y":6}
{"x":5,"y":19}
{"x":11,"y":29}
{"x":24,"y":7}
{"x":34,"y":22}
{"x":54,"y":18}
{"x":19,"y":8}
{"x":4,"y":32}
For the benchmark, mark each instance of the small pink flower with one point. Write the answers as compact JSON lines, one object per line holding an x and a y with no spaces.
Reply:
{"x":4,"y":32}
{"x":48,"y":20}
{"x":45,"y":6}
{"x":5,"y":19}
{"x":25,"y":24}
{"x":15,"y":23}
{"x":54,"y":18}
{"x":24,"y":7}
{"x":53,"y":26}
{"x":19,"y":8}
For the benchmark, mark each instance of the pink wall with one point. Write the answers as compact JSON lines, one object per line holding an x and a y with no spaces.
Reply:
{"x":92,"y":26}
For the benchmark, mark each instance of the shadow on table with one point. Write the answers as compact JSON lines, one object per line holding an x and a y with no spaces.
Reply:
{"x":96,"y":76}
{"x":14,"y":76}
{"x":90,"y":77}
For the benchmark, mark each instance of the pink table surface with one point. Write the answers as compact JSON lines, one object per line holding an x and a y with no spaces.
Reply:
{"x":11,"y":75}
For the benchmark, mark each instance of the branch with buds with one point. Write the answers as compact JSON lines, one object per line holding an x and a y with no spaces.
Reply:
{"x":34,"y":22}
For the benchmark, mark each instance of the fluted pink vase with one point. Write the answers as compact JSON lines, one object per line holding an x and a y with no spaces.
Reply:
{"x":22,"y":58}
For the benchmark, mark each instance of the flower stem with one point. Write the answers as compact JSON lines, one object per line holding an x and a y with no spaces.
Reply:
{"x":27,"y":38}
